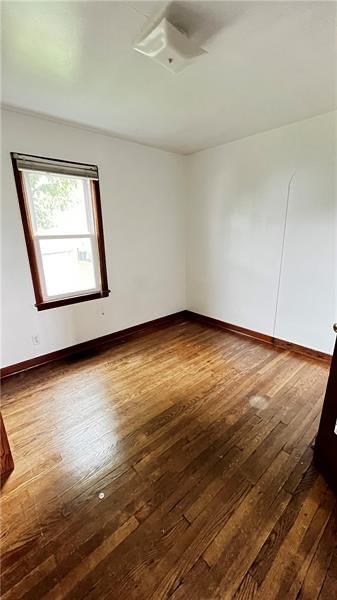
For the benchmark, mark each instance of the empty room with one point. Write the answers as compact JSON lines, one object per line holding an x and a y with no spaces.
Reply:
{"x":168,"y":300}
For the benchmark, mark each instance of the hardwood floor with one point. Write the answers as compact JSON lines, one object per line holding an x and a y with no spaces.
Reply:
{"x":175,"y":465}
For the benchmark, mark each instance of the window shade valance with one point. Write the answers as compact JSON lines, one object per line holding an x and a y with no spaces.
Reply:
{"x":26,"y":162}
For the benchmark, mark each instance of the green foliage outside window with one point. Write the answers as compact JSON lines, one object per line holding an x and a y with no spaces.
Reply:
{"x":51,"y":194}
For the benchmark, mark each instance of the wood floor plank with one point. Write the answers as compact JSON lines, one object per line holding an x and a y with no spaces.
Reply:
{"x":273,"y":543}
{"x":233,"y":549}
{"x":176,"y":464}
{"x":289,"y":568}
{"x":318,"y":569}
{"x":329,"y":588}
{"x":248,"y":588}
{"x":196,"y":584}
{"x":182,"y":557}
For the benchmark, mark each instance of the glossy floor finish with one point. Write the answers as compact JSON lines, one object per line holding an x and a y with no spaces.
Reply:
{"x":174,"y":465}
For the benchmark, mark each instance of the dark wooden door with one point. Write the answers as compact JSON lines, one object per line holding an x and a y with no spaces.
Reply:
{"x":325,"y":453}
{"x":6,"y":459}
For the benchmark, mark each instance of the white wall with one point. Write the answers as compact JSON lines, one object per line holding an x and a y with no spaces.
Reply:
{"x":142,"y":204}
{"x":237,"y":217}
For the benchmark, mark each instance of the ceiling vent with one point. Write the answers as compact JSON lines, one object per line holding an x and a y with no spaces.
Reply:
{"x":168,"y":46}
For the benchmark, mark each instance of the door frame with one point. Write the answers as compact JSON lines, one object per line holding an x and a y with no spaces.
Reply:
{"x":325,"y":451}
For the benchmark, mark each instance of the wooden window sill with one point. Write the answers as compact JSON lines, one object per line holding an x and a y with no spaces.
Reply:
{"x":72,"y":300}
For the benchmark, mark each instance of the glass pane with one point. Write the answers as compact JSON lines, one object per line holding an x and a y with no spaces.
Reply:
{"x":58,"y":203}
{"x":68,"y":265}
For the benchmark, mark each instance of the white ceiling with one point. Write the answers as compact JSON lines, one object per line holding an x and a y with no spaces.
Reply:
{"x":268,"y":64}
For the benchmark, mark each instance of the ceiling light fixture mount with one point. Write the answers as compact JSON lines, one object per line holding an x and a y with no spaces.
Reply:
{"x":168,"y":46}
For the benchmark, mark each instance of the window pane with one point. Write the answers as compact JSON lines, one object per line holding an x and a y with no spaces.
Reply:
{"x":68,"y":265}
{"x":58,"y":203}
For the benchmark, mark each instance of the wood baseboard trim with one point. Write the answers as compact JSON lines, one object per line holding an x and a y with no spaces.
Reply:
{"x":94,"y":344}
{"x":256,"y":335}
{"x":150,"y":326}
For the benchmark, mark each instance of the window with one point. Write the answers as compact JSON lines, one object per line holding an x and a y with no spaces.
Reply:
{"x":62,"y":221}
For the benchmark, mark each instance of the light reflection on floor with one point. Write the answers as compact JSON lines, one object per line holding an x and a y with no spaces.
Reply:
{"x":94,"y":434}
{"x":259,"y":402}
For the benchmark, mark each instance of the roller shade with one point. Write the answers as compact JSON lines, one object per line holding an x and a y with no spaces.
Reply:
{"x":25,"y":162}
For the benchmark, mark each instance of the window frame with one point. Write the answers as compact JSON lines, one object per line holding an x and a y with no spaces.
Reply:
{"x":37,"y":273}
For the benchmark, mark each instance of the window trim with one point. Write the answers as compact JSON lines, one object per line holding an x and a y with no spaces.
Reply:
{"x":74,"y":298}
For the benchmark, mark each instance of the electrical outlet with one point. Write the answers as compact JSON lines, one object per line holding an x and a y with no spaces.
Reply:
{"x":36,"y":340}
